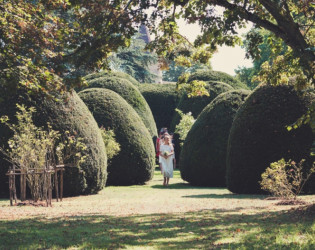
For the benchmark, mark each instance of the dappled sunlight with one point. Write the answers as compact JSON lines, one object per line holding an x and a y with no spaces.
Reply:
{"x":154,"y":217}
{"x":204,"y":229}
{"x":152,"y":198}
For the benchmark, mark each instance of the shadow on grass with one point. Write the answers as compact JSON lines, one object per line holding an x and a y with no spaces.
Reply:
{"x":209,"y":229}
{"x":226,"y":196}
{"x":183,"y":185}
{"x":175,"y":186}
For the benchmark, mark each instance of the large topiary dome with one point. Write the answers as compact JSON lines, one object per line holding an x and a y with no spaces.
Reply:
{"x":131,"y":94}
{"x":196,"y":104}
{"x":112,"y":74}
{"x":203,"y":156}
{"x":134,"y":164}
{"x":211,"y":75}
{"x":259,"y":136}
{"x":73,"y":116}
{"x":162,"y":99}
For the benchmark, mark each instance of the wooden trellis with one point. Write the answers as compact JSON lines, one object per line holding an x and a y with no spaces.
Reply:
{"x":46,"y":174}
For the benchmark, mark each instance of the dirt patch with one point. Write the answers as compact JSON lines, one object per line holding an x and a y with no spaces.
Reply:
{"x":291,"y":203}
{"x":32,"y":203}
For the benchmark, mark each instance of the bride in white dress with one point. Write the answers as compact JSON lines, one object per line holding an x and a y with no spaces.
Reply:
{"x":167,"y":155}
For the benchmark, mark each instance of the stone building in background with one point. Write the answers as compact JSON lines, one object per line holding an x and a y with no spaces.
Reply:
{"x":154,"y":68}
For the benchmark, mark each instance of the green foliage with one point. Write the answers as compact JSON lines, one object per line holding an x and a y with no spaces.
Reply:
{"x":259,"y":135}
{"x":279,"y":72}
{"x":162,"y":99}
{"x":131,"y":94}
{"x":172,"y":72}
{"x":291,"y":21}
{"x":134,"y":61}
{"x":207,"y":140}
{"x":285,"y":179}
{"x":70,"y":117}
{"x":111,"y":145}
{"x":185,"y":124}
{"x":32,"y":149}
{"x":210,"y":75}
{"x":196,"y":104}
{"x":122,"y":75}
{"x":134,"y":164}
{"x":48,"y":45}
{"x":261,"y":46}
{"x":192,"y":88}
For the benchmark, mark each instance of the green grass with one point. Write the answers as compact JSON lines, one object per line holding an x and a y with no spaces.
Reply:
{"x":155,"y":217}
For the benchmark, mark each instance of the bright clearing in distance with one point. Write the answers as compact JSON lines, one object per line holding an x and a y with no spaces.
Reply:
{"x":227,"y":59}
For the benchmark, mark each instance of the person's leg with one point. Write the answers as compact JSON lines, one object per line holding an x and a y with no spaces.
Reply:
{"x":167,"y":181}
{"x":164,"y":182}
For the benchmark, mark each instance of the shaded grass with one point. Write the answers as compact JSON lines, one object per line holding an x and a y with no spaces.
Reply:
{"x":155,"y":217}
{"x":203,"y":229}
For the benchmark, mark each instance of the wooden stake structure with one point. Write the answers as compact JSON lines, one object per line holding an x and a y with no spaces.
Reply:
{"x":47,"y":176}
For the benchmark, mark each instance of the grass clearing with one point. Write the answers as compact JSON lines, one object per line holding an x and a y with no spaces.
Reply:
{"x":155,"y":217}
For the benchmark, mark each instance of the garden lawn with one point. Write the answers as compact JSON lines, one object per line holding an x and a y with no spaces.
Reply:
{"x":157,"y":217}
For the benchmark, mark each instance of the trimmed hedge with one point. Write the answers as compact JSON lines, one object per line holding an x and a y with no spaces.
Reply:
{"x":196,"y":104}
{"x":131,"y":94}
{"x":211,"y":75}
{"x":203,"y":156}
{"x":134,"y":164}
{"x":71,"y":115}
{"x":259,"y":136}
{"x":112,"y":74}
{"x":162,"y":99}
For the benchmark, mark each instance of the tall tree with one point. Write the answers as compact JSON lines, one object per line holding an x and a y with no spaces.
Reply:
{"x":268,"y":48}
{"x":134,"y":60}
{"x":290,"y":20}
{"x":47,"y":45}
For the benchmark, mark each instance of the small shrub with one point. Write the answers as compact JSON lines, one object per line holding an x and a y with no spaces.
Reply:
{"x":33,"y":149}
{"x":112,"y":146}
{"x":259,"y":136}
{"x":285,"y":179}
{"x":67,"y":114}
{"x":185,"y":124}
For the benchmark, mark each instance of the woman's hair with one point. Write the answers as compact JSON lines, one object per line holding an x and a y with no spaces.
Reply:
{"x":170,"y":141}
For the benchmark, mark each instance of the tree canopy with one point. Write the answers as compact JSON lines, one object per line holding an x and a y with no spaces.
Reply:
{"x":49,"y":45}
{"x":290,"y":20}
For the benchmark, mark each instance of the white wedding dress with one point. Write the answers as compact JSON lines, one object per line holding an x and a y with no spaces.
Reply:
{"x":167,"y":164}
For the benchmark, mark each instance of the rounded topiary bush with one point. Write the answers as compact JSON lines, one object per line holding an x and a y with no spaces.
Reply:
{"x":112,"y":74}
{"x":196,"y":104}
{"x":211,"y":75}
{"x":134,"y":164}
{"x":259,"y":136}
{"x":131,"y":94}
{"x":203,"y":156}
{"x":69,"y":114}
{"x":162,"y":99}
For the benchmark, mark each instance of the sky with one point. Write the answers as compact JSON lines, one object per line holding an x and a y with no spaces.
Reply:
{"x":227,"y":59}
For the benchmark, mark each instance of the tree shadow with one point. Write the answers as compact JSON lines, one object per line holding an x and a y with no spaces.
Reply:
{"x":183,"y":185}
{"x":210,"y":229}
{"x":227,"y":196}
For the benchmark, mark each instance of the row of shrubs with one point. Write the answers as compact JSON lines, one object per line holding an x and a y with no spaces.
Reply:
{"x":236,"y":137}
{"x":237,"y":133}
{"x":110,"y":101}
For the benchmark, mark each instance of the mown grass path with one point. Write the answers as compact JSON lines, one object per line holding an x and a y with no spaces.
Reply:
{"x":157,"y":217}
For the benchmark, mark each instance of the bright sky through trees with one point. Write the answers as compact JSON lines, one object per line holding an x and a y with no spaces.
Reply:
{"x":227,"y":59}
